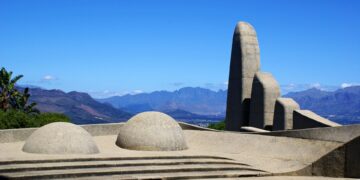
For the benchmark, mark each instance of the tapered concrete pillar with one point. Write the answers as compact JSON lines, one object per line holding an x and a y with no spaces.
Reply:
{"x":283,"y":116}
{"x":245,"y":62}
{"x":307,"y":119}
{"x":265,"y":91}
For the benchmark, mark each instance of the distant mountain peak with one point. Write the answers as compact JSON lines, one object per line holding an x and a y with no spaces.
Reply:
{"x":196,"y":100}
{"x":79,"y":106}
{"x":353,"y":89}
{"x":341,"y":106}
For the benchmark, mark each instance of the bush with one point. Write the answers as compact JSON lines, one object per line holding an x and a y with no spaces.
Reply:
{"x":218,"y":126}
{"x":18,"y":119}
{"x":13,"y":119}
{"x":46,"y":118}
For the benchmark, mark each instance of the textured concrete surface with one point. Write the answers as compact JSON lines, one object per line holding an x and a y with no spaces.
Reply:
{"x":151,"y":131}
{"x":291,"y":178}
{"x":307,"y":119}
{"x":265,"y":91}
{"x":283,"y":115}
{"x":60,"y":138}
{"x":228,"y":176}
{"x":341,"y":162}
{"x":331,"y":165}
{"x":285,"y":154}
{"x":245,"y":62}
{"x":352,"y":158}
{"x":337,"y":134}
{"x":12,"y":135}
{"x":274,"y":155}
{"x":103,"y":129}
{"x":131,"y":168}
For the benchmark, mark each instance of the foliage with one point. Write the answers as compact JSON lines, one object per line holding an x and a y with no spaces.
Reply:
{"x":10,"y":97}
{"x":7,"y":87}
{"x":218,"y":126}
{"x":21,"y":103}
{"x":46,"y":118}
{"x":16,"y":111}
{"x":18,"y":119}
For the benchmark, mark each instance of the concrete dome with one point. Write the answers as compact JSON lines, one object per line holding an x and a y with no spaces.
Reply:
{"x":151,"y":131}
{"x":60,"y":138}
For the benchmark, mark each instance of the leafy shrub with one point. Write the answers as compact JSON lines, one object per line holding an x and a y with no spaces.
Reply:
{"x":16,"y":111}
{"x":46,"y":118}
{"x":13,"y":119}
{"x":18,"y":119}
{"x":218,"y":126}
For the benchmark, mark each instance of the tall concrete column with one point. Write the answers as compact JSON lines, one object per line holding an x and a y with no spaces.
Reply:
{"x":265,"y":91}
{"x":245,"y":62}
{"x":283,"y":115}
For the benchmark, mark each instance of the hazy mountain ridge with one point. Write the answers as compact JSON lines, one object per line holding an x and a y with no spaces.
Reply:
{"x":342,"y":105}
{"x":80,"y":107}
{"x":197,"y":100}
{"x":188,"y":103}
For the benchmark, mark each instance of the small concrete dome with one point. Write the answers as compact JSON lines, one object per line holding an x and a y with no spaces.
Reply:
{"x":60,"y":138}
{"x":151,"y":131}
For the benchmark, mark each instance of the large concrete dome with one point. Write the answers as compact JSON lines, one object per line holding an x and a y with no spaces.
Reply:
{"x":151,"y":131}
{"x":60,"y":138}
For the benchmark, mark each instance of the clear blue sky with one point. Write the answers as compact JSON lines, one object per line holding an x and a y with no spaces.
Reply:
{"x":113,"y":47}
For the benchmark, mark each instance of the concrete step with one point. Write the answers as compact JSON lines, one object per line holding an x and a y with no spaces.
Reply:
{"x":134,"y":171}
{"x":120,"y":163}
{"x":108,"y":159}
{"x":230,"y":174}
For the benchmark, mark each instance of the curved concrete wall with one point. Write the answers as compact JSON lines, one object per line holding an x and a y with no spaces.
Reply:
{"x":344,"y":161}
{"x":338,"y":134}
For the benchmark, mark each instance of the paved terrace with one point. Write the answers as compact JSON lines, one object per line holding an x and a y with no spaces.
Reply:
{"x":211,"y":154}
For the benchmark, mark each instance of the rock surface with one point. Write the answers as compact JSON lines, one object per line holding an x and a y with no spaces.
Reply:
{"x":60,"y":138}
{"x":151,"y":131}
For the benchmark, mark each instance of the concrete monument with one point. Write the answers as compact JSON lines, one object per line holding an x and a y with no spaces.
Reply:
{"x":265,"y":91}
{"x":283,"y":116}
{"x":251,"y":98}
{"x":308,"y":119}
{"x":332,"y":152}
{"x":245,"y":62}
{"x":60,"y":138}
{"x":151,"y":131}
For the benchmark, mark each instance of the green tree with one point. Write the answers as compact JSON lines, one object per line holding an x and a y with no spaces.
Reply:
{"x":7,"y":87}
{"x":15,"y":109}
{"x":218,"y":126}
{"x":17,"y":119}
{"x":20,"y":102}
{"x":11,"y":98}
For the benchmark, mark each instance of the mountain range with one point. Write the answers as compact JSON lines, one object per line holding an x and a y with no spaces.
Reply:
{"x":342,"y":105}
{"x":80,"y":107}
{"x":195,"y":100}
{"x":192,"y":104}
